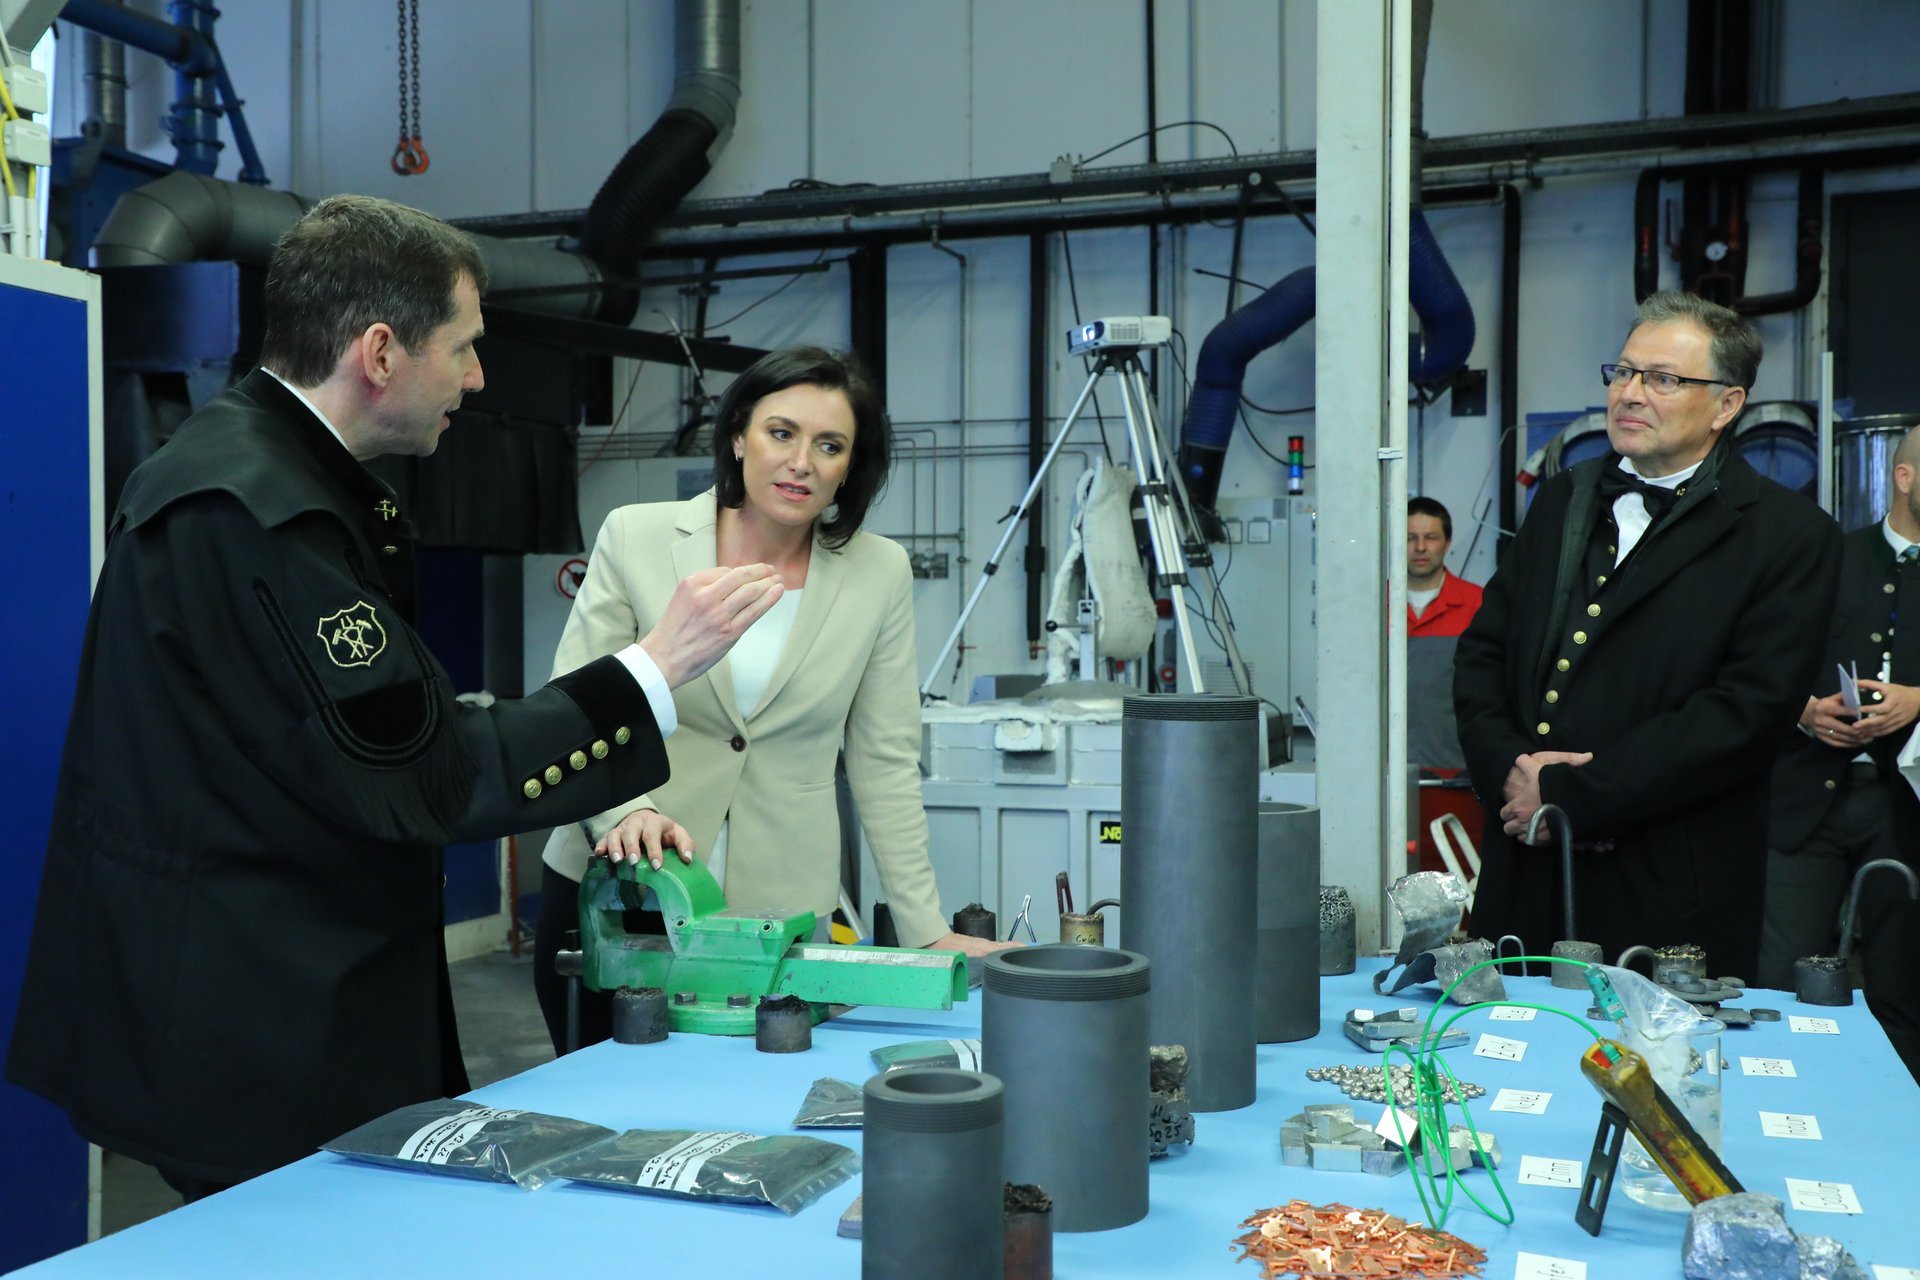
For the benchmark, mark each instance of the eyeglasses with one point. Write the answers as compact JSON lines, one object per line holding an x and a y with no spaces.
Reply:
{"x":1655,"y":380}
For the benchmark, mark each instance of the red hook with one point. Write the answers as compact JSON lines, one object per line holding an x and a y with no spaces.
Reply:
{"x":410,"y":157}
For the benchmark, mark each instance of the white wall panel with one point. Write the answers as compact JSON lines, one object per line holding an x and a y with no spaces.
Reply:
{"x":891,"y":99}
{"x":772,"y":142}
{"x":1055,"y":77}
{"x":1495,"y":65}
{"x":583,"y":96}
{"x":1238,"y":78}
{"x":1847,"y":49}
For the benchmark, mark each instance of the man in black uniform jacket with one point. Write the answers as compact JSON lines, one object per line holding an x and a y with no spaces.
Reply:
{"x":237,"y":952}
{"x":1838,"y":797}
{"x":1639,"y":657}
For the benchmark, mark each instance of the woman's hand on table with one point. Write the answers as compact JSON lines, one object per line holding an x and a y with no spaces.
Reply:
{"x":967,"y":945}
{"x":645,"y":833}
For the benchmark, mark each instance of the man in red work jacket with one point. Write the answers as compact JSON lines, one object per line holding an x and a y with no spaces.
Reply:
{"x":1439,"y":607}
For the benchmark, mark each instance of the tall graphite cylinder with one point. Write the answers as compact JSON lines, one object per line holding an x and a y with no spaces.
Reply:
{"x":934,"y":1204}
{"x":1064,"y":1027}
{"x":1189,"y":805}
{"x":1286,"y":974}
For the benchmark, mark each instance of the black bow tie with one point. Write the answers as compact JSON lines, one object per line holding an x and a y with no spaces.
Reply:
{"x":1616,"y":482}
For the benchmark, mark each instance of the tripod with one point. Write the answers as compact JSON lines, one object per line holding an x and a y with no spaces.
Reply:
{"x":1170,"y":526}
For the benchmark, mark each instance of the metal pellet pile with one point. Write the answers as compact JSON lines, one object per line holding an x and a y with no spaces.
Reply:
{"x":1299,"y":1239}
{"x":1368,"y":1084}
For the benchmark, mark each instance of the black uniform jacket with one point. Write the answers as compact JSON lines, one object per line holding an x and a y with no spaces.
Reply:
{"x":237,"y":952}
{"x":1806,"y":777}
{"x":1691,"y":665}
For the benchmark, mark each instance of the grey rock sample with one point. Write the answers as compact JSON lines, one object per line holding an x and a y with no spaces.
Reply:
{"x":1824,"y":1258}
{"x":1739,"y":1237}
{"x":1166,"y":1068}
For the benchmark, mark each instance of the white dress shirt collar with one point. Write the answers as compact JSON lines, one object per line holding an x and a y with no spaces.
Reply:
{"x":312,"y":408}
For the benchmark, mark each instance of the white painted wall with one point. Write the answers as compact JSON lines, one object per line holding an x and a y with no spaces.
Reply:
{"x":527,"y":104}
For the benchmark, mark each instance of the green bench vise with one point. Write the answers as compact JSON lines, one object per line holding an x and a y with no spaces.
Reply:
{"x":716,"y":961}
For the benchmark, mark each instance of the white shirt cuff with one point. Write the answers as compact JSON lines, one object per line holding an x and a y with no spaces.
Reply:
{"x":641,"y":666}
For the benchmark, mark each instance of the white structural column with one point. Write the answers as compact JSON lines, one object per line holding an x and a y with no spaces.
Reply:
{"x":1360,"y":390}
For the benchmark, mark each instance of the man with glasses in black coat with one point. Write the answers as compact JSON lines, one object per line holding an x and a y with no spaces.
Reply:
{"x":1639,"y":657}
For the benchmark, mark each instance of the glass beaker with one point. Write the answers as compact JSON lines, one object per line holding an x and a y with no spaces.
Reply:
{"x":1688,"y":1066}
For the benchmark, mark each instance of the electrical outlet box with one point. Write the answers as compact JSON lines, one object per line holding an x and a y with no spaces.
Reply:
{"x":28,"y":142}
{"x":27,"y":86}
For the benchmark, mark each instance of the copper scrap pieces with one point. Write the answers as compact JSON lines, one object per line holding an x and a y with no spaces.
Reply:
{"x":1335,"y":1240}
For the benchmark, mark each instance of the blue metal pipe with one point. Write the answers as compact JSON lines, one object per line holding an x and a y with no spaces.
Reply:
{"x":117,"y":22}
{"x":1446,"y":319}
{"x":193,"y":122}
{"x":205,"y":90}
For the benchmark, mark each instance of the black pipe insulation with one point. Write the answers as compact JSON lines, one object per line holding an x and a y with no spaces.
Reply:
{"x":1508,"y":506}
{"x":1037,"y":321}
{"x":670,"y":158}
{"x":658,"y":170}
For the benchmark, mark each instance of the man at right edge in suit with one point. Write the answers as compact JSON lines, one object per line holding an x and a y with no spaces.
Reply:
{"x":1839,"y":799}
{"x":1639,"y":657}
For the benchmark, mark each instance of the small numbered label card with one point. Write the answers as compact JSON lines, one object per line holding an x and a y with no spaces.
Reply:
{"x":1766,"y":1067}
{"x":1882,"y":1272}
{"x":1822,"y":1197}
{"x":1539,"y":1266}
{"x":1781,"y":1124}
{"x":1813,"y":1026}
{"x":1510,"y":1013}
{"x":1492,"y":1046}
{"x":1526,"y":1102}
{"x":1549,"y":1171}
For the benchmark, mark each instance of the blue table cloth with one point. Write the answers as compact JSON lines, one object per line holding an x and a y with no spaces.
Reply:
{"x":330,"y":1217}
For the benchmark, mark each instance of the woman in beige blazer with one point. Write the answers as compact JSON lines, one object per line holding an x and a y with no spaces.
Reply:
{"x":801,"y":450}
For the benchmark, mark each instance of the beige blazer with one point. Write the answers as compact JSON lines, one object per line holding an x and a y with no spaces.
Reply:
{"x":847,"y":673}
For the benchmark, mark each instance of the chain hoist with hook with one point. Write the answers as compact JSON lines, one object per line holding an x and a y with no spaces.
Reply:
{"x":410,"y":156}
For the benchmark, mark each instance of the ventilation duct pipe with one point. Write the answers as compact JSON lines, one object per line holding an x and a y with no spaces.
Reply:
{"x":1446,"y":322}
{"x":186,"y":217}
{"x":106,"y":88}
{"x":672,"y":157}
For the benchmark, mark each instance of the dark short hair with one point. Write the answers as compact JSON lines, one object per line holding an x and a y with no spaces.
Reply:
{"x":872,"y":436}
{"x":355,"y":261}
{"x":1735,"y":351}
{"x":1430,"y":507}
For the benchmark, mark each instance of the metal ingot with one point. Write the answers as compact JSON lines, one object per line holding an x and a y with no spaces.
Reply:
{"x":1569,"y":976}
{"x":1683,"y":961}
{"x":639,"y":1015}
{"x":1825,"y":979}
{"x":1337,"y":941}
{"x":1822,"y":980}
{"x":1029,"y":1248}
{"x":783,"y":1024}
{"x":974,"y":921}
